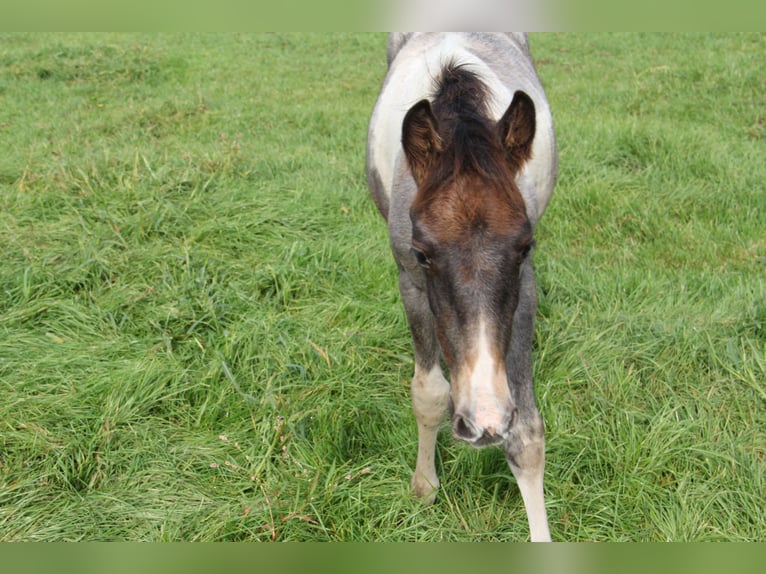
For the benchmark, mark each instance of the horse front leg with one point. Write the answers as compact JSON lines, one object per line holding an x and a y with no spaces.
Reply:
{"x":525,"y":446}
{"x":430,"y":398}
{"x":525,"y":453}
{"x":429,"y":388}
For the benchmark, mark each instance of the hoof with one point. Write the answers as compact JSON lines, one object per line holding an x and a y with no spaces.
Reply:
{"x":424,"y":488}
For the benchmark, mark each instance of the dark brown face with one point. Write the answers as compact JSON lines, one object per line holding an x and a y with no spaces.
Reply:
{"x":471,"y":234}
{"x":471,"y":260}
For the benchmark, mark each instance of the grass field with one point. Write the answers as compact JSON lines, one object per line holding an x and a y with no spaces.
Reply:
{"x":200,"y":329}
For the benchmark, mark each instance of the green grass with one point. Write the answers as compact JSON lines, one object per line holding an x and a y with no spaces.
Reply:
{"x":200,"y":330}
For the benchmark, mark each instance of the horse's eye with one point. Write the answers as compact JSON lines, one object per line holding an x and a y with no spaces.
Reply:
{"x":527,"y":248}
{"x":421,"y":257}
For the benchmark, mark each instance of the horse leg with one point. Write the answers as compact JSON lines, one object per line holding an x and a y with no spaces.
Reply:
{"x":429,"y":388}
{"x":430,"y":397}
{"x":525,"y":453}
{"x":525,"y":446}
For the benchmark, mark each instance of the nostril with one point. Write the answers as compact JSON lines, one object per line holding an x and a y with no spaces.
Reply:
{"x":463,"y":428}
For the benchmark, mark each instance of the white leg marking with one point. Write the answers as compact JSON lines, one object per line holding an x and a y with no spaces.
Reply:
{"x":530,"y":480}
{"x":531,"y":488}
{"x":430,"y":398}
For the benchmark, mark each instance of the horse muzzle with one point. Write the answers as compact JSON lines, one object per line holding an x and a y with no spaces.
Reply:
{"x":484,"y":430}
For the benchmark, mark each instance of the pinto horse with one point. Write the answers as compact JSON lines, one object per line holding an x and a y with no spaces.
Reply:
{"x":461,"y":162}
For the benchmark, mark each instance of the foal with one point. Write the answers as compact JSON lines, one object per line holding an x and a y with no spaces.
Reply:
{"x":461,"y":161}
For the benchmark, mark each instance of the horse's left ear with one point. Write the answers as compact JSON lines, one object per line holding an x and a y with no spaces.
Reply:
{"x":517,"y":130}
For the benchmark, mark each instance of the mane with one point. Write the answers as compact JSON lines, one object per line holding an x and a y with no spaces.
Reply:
{"x":460,"y":104}
{"x":459,"y":92}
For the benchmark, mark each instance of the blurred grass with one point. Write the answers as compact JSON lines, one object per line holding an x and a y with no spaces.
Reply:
{"x":201,"y":336}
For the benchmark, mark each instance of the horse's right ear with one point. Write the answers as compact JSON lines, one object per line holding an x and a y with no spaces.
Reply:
{"x":420,"y":139}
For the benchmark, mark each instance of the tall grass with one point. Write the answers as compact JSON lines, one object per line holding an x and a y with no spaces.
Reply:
{"x":201,"y":336}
